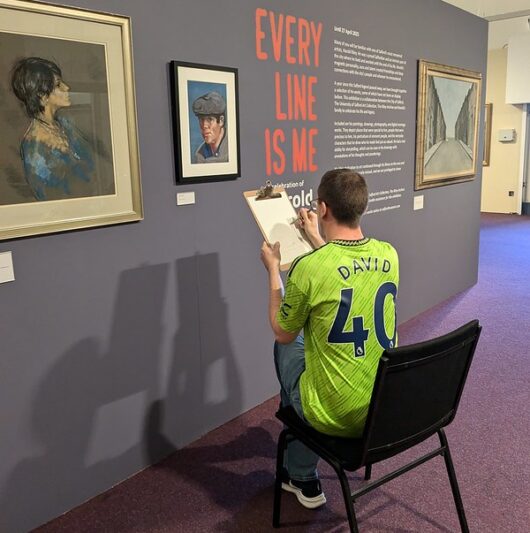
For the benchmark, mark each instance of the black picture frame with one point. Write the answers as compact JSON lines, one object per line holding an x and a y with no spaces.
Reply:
{"x":207,"y":88}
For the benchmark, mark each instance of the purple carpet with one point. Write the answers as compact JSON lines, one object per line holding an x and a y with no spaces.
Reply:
{"x":223,"y":482}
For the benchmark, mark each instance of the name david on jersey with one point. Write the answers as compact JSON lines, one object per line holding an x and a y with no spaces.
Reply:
{"x":364,"y":264}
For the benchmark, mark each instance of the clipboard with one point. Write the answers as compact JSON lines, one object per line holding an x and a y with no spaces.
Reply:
{"x":275,"y":216}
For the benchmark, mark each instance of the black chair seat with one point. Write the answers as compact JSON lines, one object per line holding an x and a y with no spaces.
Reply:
{"x":347,"y":452}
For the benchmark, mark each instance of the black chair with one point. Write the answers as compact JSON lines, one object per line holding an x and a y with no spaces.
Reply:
{"x":416,"y":394}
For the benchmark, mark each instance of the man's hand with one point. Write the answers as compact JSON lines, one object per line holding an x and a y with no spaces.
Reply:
{"x":271,"y":256}
{"x":308,"y":221}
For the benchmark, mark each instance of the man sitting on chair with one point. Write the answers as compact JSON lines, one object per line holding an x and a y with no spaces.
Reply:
{"x":342,"y":295}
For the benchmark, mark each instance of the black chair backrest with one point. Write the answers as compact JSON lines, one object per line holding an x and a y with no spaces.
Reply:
{"x":417,"y":391}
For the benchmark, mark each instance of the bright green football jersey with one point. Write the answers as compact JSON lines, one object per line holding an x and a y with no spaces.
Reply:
{"x":343,"y":295}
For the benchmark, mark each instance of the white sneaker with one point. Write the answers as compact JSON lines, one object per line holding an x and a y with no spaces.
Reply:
{"x":308,"y":493}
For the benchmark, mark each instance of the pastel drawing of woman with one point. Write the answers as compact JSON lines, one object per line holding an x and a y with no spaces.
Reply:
{"x":58,"y":160}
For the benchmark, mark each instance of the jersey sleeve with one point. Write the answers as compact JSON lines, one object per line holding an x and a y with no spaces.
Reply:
{"x":294,"y":308}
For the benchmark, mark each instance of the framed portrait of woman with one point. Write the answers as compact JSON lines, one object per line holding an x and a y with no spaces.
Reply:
{"x":69,"y":149}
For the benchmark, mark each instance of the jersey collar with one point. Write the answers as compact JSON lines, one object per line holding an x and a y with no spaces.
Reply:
{"x":344,"y":242}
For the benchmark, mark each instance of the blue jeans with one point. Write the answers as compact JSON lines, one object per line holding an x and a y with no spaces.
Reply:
{"x":300,"y":461}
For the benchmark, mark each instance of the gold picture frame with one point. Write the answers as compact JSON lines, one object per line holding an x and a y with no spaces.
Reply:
{"x":488,"y":114}
{"x":69,"y":145}
{"x":447,"y":124}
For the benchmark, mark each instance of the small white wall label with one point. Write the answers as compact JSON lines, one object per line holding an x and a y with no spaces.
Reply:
{"x":185,"y":198}
{"x":6,"y":267}
{"x":418,"y":202}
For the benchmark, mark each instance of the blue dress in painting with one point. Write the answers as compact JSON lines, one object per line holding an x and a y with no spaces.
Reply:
{"x":58,"y":164}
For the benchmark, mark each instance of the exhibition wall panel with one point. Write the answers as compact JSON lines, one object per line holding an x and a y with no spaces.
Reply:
{"x":123,"y":343}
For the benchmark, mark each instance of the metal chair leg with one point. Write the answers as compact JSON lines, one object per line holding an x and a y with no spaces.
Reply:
{"x":454,"y":484}
{"x":346,"y":492}
{"x":282,"y":444}
{"x":368,"y":472}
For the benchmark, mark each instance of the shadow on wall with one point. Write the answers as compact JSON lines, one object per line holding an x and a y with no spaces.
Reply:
{"x":88,"y":411}
{"x":97,"y":416}
{"x":204,"y":386}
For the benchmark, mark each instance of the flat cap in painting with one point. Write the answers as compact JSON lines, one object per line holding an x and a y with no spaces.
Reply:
{"x":211,"y":103}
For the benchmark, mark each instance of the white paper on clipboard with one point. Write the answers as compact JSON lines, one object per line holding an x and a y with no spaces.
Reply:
{"x":275,"y":217}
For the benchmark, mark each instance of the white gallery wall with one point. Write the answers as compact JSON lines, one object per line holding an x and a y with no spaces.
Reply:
{"x":503,"y":189}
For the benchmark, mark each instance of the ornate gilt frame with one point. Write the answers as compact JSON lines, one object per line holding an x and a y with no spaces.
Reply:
{"x":64,"y":26}
{"x":488,"y":115}
{"x":427,"y":94}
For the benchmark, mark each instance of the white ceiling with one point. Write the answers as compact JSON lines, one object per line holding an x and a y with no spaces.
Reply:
{"x":494,"y":9}
{"x":506,"y":17}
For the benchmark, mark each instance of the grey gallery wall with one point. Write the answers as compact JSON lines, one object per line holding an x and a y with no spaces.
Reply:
{"x":122,"y":343}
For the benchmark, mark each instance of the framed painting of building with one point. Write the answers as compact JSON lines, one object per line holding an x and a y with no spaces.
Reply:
{"x":69,"y":150}
{"x":205,"y":122}
{"x":447,"y":124}
{"x":488,"y":115}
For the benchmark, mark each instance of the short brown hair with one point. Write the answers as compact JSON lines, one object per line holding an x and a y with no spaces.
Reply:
{"x":31,"y":79}
{"x":346,"y":194}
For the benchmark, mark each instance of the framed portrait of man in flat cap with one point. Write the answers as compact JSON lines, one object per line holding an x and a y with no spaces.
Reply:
{"x":205,"y":122}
